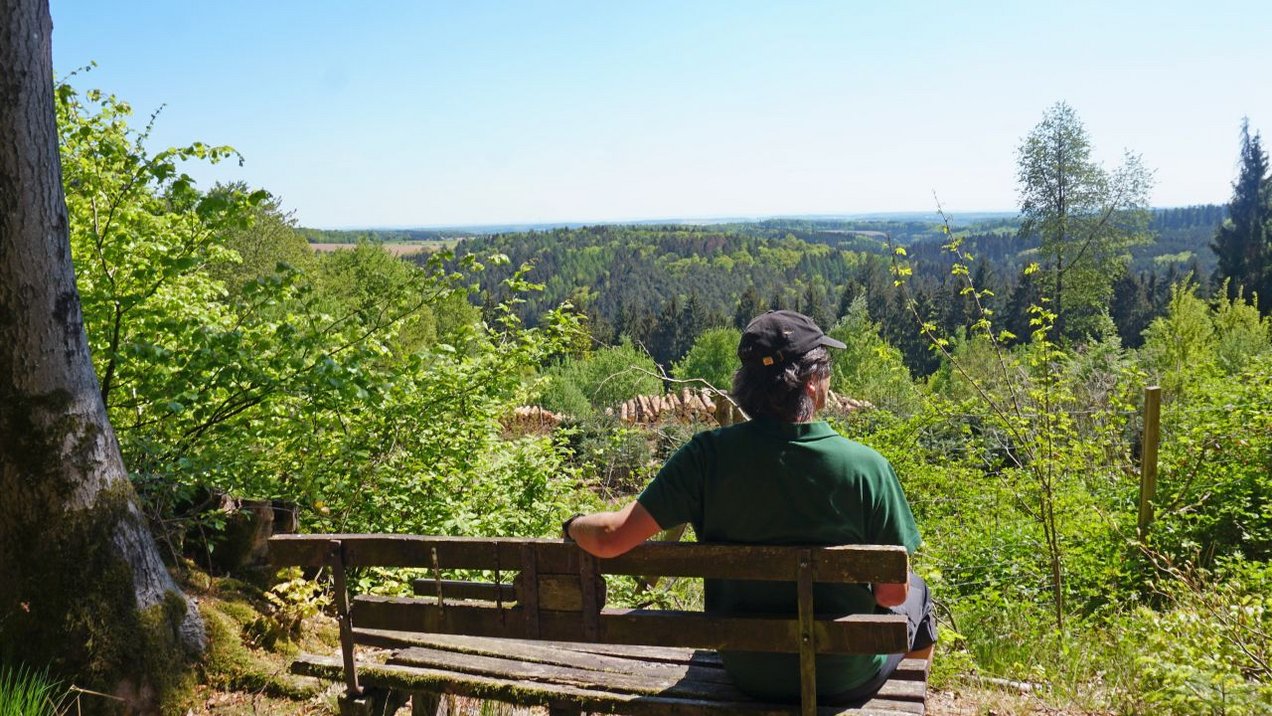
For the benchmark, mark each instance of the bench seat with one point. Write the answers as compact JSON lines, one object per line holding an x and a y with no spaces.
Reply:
{"x":545,"y":637}
{"x":602,"y":678}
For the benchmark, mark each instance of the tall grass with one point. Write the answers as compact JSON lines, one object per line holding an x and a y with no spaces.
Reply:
{"x":27,"y":692}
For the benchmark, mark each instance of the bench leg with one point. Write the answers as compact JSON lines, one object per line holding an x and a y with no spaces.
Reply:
{"x":372,"y":702}
{"x":424,"y":703}
{"x":354,"y":705}
{"x":563,"y":711}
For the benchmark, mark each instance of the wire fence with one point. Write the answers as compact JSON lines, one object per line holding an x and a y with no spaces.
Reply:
{"x":991,"y":534}
{"x":1103,"y":461}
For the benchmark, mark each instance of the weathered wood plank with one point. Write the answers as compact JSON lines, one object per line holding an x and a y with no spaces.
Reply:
{"x":913,"y":669}
{"x":459,"y":589}
{"x":838,"y":564}
{"x":674,"y":682}
{"x":335,"y":560}
{"x":667,"y":654}
{"x":903,"y":690}
{"x":528,"y":581}
{"x":908,"y":708}
{"x":678,"y":682}
{"x":855,"y":634}
{"x":389,"y":639}
{"x":807,"y":637}
{"x":533,"y":694}
{"x":551,"y":653}
{"x":565,"y":592}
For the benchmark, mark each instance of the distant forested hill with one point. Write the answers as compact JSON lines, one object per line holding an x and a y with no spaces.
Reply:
{"x":664,"y":285}
{"x":632,"y":279}
{"x":1183,"y":237}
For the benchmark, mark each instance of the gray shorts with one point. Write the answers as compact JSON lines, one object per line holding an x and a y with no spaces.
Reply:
{"x":917,"y":610}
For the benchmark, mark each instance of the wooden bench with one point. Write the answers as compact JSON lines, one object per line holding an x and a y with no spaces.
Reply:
{"x":544,"y":637}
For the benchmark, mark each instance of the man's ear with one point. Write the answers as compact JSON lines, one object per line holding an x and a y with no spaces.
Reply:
{"x":810,"y":387}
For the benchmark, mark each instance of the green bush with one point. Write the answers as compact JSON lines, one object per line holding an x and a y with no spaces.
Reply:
{"x":869,"y":368}
{"x":1215,"y":481}
{"x":713,"y":358}
{"x":1210,"y":650}
{"x":604,"y":379}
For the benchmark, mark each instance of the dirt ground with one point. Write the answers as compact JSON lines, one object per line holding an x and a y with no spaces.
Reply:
{"x":971,"y":702}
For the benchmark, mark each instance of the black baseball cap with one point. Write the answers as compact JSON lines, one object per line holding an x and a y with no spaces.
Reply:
{"x":778,"y":336}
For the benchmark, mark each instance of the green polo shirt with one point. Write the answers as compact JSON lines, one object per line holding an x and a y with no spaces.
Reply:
{"x":766,"y":482}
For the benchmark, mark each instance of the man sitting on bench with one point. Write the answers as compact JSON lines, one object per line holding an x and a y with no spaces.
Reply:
{"x":783,"y":478}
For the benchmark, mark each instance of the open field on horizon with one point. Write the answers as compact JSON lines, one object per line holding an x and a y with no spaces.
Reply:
{"x":406,"y":248}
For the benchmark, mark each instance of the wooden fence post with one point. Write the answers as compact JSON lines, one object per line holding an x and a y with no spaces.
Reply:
{"x":1148,"y":456}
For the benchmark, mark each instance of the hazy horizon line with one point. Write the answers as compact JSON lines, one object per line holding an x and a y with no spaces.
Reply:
{"x":689,"y":220}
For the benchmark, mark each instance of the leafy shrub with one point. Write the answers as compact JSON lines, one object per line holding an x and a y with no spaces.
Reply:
{"x":1215,"y":483}
{"x":1180,"y":347}
{"x":291,"y":601}
{"x":1210,"y":651}
{"x":869,"y":368}
{"x":604,"y":379}
{"x":615,"y":460}
{"x":713,"y":358}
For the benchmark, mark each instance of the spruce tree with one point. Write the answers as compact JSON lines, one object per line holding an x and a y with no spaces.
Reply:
{"x":749,"y":306}
{"x":1242,"y":241}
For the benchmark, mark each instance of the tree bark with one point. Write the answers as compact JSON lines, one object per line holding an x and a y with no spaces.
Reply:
{"x":82,"y":587}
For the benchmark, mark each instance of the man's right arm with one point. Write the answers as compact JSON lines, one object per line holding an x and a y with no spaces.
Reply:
{"x":609,"y":534}
{"x":892,"y":522}
{"x":891,"y":595}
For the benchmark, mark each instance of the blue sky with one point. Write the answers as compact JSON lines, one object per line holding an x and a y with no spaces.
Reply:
{"x":450,"y":113}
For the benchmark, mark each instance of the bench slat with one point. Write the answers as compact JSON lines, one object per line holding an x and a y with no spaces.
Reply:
{"x":704,"y":666}
{"x":459,"y":589}
{"x":839,"y":564}
{"x":855,"y":634}
{"x":913,"y":669}
{"x":592,"y":699}
{"x":673,"y":681}
{"x":391,"y":639}
{"x":607,"y":656}
{"x":679,"y":680}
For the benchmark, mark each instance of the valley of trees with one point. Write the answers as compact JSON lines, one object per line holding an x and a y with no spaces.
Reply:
{"x":1005,"y":360}
{"x":661,"y":286}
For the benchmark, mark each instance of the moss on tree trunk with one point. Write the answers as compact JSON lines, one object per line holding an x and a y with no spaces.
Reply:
{"x":70,"y":580}
{"x":82,"y":588}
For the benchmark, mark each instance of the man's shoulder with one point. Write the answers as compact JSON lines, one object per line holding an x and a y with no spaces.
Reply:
{"x":858,"y":454}
{"x":736,"y":431}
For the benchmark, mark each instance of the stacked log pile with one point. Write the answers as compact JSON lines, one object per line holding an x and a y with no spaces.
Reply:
{"x":687,"y":406}
{"x":530,"y":419}
{"x":836,"y":403}
{"x":701,"y":406}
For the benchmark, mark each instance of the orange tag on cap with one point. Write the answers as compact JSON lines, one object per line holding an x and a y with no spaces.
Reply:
{"x":767,"y":360}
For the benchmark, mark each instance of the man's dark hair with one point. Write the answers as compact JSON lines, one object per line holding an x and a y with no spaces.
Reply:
{"x":777,"y":391}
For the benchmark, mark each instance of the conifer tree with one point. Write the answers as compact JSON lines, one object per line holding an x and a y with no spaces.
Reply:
{"x":1242,"y":242}
{"x":750,"y":305}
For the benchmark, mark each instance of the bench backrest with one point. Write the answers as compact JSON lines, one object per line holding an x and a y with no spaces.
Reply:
{"x":558,"y":593}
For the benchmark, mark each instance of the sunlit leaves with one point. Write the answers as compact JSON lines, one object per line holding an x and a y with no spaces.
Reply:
{"x":365,"y":388}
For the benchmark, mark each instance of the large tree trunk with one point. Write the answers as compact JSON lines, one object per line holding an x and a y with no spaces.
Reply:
{"x":81,"y":584}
